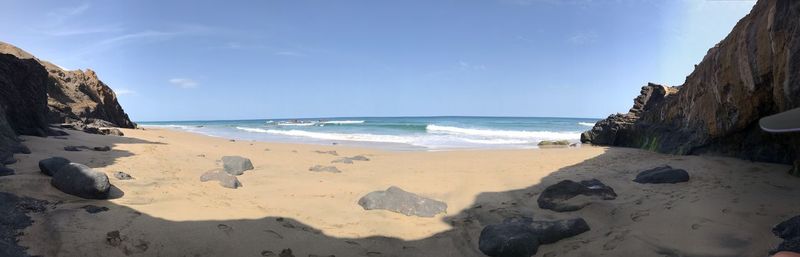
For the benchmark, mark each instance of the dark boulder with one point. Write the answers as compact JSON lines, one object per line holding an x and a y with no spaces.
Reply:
{"x":558,"y":197}
{"x":224,"y":179}
{"x":79,"y":180}
{"x":51,"y":165}
{"x":661,"y":175}
{"x":521,"y":237}
{"x":789,"y":231}
{"x":122,"y":175}
{"x":397,"y":200}
{"x":102,"y":148}
{"x":236,"y":165}
{"x":73,"y":148}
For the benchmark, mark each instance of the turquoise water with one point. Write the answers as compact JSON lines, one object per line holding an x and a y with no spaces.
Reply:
{"x":396,"y":132}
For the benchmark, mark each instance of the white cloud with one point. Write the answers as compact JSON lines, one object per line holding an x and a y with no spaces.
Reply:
{"x":468,"y":66}
{"x":289,"y":53}
{"x":582,"y":38}
{"x":64,"y":13}
{"x":83,"y":31}
{"x":183,"y":83}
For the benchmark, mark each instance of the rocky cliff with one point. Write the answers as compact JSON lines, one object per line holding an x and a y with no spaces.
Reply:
{"x":752,"y":73}
{"x":23,"y":103}
{"x":76,"y":96}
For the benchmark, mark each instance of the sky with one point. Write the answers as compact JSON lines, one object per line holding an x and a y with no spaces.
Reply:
{"x":201,"y":60}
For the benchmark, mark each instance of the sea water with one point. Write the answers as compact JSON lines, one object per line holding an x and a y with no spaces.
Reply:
{"x":426,"y":133}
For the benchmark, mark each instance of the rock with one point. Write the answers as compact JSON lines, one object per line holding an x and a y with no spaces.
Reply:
{"x":94,"y":208}
{"x":122,"y":175}
{"x":224,"y":179}
{"x":21,"y":149}
{"x":103,"y":131}
{"x":102,"y":148}
{"x":513,"y":238}
{"x":79,"y":180}
{"x":286,"y":253}
{"x":334,"y":153}
{"x":554,"y":143}
{"x":320,"y":168}
{"x":663,"y":174}
{"x":6,"y":171}
{"x":558,"y":197}
{"x":521,"y":237}
{"x":349,"y":160}
{"x":73,"y":148}
{"x":397,"y":200}
{"x":748,"y":75}
{"x":236,"y":165}
{"x":789,"y":231}
{"x":51,"y":165}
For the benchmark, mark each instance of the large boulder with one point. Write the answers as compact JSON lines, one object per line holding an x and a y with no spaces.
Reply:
{"x":559,"y":197}
{"x":225,"y":180}
{"x":398,"y":200}
{"x":236,"y":165}
{"x":661,"y":175}
{"x":521,"y":237}
{"x":79,"y":180}
{"x":51,"y":165}
{"x":5,"y":171}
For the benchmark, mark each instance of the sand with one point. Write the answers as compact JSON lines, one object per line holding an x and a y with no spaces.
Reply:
{"x":726,"y":209}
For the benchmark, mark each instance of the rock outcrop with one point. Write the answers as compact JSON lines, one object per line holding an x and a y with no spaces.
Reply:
{"x":398,"y":200}
{"x":752,"y":73}
{"x":75,"y":96}
{"x":23,"y":103}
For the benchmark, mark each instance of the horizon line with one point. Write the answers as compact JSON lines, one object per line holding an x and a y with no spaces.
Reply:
{"x":344,"y":117}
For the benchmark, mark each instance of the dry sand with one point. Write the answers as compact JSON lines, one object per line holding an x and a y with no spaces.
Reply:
{"x":727,"y":209}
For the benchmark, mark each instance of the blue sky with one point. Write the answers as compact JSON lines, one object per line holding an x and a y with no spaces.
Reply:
{"x":190,"y":60}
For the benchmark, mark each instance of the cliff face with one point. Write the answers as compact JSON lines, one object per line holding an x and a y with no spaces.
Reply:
{"x":752,"y":73}
{"x":76,"y":96}
{"x":23,"y":103}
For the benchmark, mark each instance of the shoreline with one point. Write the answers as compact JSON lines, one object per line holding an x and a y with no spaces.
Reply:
{"x":283,"y":205}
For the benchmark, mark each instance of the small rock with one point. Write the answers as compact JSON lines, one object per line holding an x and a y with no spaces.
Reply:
{"x":661,"y":175}
{"x":94,"y":208}
{"x":320,"y":168}
{"x":556,"y":197}
{"x":51,"y":165}
{"x":554,"y":143}
{"x":286,"y":253}
{"x":397,"y":200}
{"x":21,"y":149}
{"x":334,"y":153}
{"x":79,"y":180}
{"x":73,"y":148}
{"x":102,"y":148}
{"x":349,"y":160}
{"x":224,"y":179}
{"x":122,"y":175}
{"x":61,"y":137}
{"x":236,"y":165}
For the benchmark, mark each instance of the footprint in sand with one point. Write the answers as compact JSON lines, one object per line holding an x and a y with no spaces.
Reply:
{"x":225,"y":228}
{"x":638,"y":215}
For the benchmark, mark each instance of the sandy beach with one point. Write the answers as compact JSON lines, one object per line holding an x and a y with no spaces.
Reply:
{"x":727,"y":209}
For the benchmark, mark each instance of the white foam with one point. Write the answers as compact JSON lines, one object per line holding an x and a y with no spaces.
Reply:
{"x":518,"y":134}
{"x":588,"y":124}
{"x":343,"y":122}
{"x":302,"y":124}
{"x":335,"y":136}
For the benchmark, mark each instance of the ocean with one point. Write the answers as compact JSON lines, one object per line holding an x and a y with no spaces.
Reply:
{"x":396,"y":133}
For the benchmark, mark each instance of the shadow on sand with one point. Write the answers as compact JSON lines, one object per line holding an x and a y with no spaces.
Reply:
{"x":673,"y":220}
